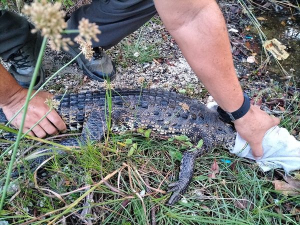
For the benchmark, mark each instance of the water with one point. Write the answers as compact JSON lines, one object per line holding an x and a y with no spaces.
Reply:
{"x":286,"y":29}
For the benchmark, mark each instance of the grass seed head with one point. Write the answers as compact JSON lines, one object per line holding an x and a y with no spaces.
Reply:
{"x":52,"y":103}
{"x":88,"y":31}
{"x":49,"y":19}
{"x":85,"y":47}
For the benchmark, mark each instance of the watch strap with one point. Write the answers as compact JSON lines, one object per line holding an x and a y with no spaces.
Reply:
{"x":232,"y":116}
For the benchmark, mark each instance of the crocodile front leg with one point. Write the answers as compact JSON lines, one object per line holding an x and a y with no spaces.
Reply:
{"x":185,"y":175}
{"x":95,"y":127}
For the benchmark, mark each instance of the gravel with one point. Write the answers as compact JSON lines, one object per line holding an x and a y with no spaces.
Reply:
{"x":169,"y":70}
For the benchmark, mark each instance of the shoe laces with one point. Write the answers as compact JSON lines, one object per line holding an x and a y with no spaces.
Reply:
{"x":21,"y":60}
{"x":98,"y":53}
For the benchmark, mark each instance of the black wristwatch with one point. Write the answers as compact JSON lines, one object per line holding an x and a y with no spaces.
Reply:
{"x":229,"y":117}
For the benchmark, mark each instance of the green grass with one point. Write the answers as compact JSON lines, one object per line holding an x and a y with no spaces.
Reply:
{"x":290,"y":119}
{"x":139,"y":52}
{"x":138,"y":49}
{"x":240,"y":194}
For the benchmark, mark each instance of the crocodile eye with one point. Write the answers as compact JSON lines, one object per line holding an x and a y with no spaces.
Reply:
{"x":193,"y":116}
{"x":201,"y":116}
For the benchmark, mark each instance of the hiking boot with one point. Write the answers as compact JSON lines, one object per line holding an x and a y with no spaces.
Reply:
{"x":23,"y":63}
{"x":99,"y":68}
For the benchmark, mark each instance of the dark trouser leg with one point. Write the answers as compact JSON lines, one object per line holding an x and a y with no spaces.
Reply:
{"x":14,"y":33}
{"x":115,"y":18}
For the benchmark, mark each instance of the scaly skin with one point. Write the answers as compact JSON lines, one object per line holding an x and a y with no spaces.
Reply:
{"x":164,"y":112}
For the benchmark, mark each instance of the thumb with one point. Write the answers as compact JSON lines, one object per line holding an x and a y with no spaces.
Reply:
{"x":257,"y":150}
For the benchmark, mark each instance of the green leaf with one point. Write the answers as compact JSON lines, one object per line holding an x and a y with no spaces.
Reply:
{"x":126,"y":223}
{"x":189,"y":144}
{"x":182,"y":91}
{"x":128,"y":141}
{"x":141,"y":130}
{"x":147,"y":133}
{"x":182,"y":138}
{"x":200,"y":178}
{"x":8,"y":129}
{"x":132,"y":149}
{"x":4,"y":212}
{"x":34,"y":156}
{"x":183,"y":147}
{"x":200,"y":143}
{"x":176,"y":155}
{"x":192,"y":149}
{"x":171,"y":139}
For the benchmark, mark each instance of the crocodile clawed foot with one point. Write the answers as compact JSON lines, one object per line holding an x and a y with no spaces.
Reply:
{"x":178,"y":188}
{"x":185,"y":176}
{"x":172,"y":186}
{"x":175,"y":197}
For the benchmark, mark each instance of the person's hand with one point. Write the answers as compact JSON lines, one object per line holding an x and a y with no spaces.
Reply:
{"x":37,"y":108}
{"x":253,"y":126}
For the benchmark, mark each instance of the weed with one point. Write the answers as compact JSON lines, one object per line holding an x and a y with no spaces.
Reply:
{"x":68,"y":3}
{"x":240,"y":194}
{"x":139,"y":51}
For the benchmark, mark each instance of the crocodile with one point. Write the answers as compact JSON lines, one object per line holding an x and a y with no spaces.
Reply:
{"x":166,"y":113}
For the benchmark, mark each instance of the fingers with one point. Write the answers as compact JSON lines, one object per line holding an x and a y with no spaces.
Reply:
{"x":253,"y":127}
{"x":54,"y":118}
{"x":39,"y":131}
{"x":257,"y":150}
{"x":36,"y":131}
{"x":37,"y":109}
{"x":50,"y":125}
{"x":29,"y":133}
